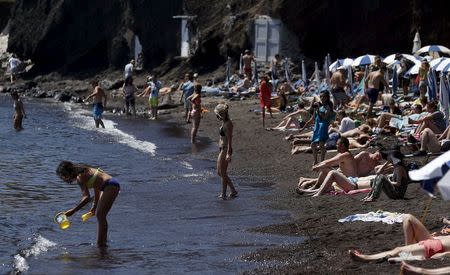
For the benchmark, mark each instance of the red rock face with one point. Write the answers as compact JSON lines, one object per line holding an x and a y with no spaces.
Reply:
{"x":68,"y":35}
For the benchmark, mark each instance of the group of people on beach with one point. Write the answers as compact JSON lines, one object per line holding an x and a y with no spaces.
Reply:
{"x":344,"y":120}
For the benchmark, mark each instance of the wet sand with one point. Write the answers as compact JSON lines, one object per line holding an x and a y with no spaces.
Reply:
{"x":265,"y":157}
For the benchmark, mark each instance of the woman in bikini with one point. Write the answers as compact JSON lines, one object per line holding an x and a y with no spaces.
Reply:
{"x":106,"y":189}
{"x":419,"y":242}
{"x":196,"y":113}
{"x":226,"y":134}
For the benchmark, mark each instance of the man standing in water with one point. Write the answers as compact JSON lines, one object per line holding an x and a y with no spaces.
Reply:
{"x":98,"y":96}
{"x":19,"y":111}
{"x":248,"y":59}
{"x":372,"y":86}
{"x":187,"y":89}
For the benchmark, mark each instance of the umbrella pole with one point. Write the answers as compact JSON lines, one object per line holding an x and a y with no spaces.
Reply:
{"x":425,"y":211}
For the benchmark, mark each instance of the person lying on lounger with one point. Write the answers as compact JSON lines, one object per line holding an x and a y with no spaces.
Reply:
{"x":419,"y":243}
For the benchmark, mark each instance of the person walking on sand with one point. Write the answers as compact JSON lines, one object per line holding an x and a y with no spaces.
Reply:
{"x":373,"y":86}
{"x":265,"y":93}
{"x":128,"y":90}
{"x":247,"y":59}
{"x":106,"y":188}
{"x":13,"y":64}
{"x":196,"y":113}
{"x":225,"y":143}
{"x":19,"y":111}
{"x":99,"y":103}
{"x":187,"y":89}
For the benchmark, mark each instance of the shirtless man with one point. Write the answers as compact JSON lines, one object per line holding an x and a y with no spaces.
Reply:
{"x":344,"y":159}
{"x":248,"y":59}
{"x":98,"y":96}
{"x":338,"y":83}
{"x":274,"y":65}
{"x":242,"y":87}
{"x":372,"y":86}
{"x":366,"y":164}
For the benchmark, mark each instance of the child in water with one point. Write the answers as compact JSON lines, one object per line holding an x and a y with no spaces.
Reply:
{"x":19,"y":111}
{"x":106,"y":189}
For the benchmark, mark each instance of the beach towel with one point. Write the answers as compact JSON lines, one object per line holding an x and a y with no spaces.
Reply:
{"x":379,"y":216}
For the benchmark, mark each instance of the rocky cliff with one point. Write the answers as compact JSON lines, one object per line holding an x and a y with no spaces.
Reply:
{"x":75,"y":35}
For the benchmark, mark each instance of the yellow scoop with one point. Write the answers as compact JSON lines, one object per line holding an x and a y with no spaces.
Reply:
{"x":62,"y":220}
{"x":86,"y":216}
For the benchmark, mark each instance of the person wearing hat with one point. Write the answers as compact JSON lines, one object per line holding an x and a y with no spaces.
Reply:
{"x":394,"y":187}
{"x":226,"y":150}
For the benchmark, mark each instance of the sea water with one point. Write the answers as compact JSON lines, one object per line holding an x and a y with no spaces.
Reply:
{"x":166,"y":219}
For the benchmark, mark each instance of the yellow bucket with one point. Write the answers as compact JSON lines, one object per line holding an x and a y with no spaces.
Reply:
{"x":62,"y":220}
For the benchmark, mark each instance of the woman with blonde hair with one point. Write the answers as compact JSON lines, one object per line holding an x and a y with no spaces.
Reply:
{"x":226,"y":150}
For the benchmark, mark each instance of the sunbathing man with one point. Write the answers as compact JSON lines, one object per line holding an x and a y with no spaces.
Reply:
{"x":429,"y":142}
{"x":385,"y":117}
{"x":344,"y":159}
{"x":345,"y":123}
{"x":294,"y":120}
{"x":299,"y":145}
{"x":435,"y":121}
{"x":366,"y":164}
{"x":419,"y":242}
{"x":373,"y":84}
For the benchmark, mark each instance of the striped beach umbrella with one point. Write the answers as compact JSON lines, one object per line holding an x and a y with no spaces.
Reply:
{"x":444,"y":96}
{"x":444,"y":66}
{"x":432,"y":84}
{"x":364,"y":60}
{"x":391,"y":58}
{"x":436,"y":62}
{"x":340,"y":62}
{"x":434,"y":48}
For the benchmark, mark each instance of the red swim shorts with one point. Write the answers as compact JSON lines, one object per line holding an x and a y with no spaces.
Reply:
{"x":432,"y":246}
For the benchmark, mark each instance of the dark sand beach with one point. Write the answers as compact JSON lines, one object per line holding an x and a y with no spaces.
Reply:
{"x":265,"y":157}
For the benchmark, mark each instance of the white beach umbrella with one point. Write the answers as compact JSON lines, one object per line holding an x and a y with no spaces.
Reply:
{"x":431,"y":170}
{"x":364,"y":60}
{"x":316,"y":73}
{"x":416,"y":42}
{"x":304,"y":77}
{"x":434,"y":48}
{"x":391,"y":58}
